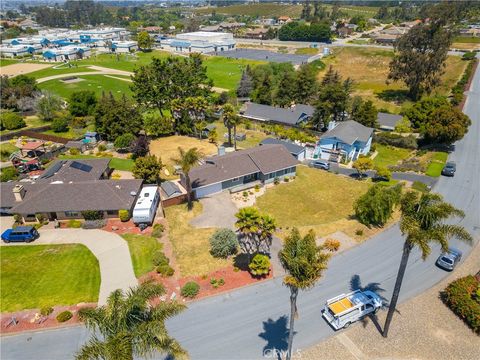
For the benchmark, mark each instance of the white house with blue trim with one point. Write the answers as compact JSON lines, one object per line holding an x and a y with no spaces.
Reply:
{"x":200,"y":42}
{"x":344,"y":142}
{"x":67,"y":53}
{"x":12,"y":51}
{"x":124,"y":46}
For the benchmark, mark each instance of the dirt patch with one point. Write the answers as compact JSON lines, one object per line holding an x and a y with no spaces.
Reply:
{"x":22,"y":68}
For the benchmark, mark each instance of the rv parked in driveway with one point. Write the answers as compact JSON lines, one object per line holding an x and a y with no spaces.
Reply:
{"x":146,"y":205}
{"x":343,"y":310}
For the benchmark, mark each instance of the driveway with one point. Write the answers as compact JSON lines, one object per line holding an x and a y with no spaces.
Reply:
{"x":116,"y":270}
{"x":218,"y":211}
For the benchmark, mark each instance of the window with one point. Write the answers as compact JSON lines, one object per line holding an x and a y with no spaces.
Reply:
{"x":73,"y":214}
{"x":235,"y":179}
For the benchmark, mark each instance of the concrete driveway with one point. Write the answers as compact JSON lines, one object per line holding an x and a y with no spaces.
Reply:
{"x":218,"y":211}
{"x":116,"y":270}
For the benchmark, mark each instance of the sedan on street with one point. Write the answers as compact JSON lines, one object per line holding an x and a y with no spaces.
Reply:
{"x":449,"y":169}
{"x":448,"y":261}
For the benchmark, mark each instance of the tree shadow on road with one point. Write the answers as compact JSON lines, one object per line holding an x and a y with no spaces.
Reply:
{"x":275,"y":333}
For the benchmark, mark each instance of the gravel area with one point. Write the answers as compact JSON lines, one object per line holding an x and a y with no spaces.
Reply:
{"x":423,"y":328}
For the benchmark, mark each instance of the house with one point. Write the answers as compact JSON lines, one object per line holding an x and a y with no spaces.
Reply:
{"x":81,"y":146}
{"x":387,"y":122}
{"x":256,"y":33}
{"x":291,"y":116}
{"x":283,"y":20}
{"x":240,"y":170}
{"x":297,"y":151}
{"x":344,"y":141}
{"x":346,"y":30}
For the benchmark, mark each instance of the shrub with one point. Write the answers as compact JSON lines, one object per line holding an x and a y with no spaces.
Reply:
{"x":331,"y":245}
{"x":216,"y":283}
{"x":359,"y":232}
{"x":383,"y":172}
{"x":276,"y":181}
{"x":257,"y":188}
{"x":165,"y":270}
{"x":160,"y":259}
{"x":18,"y":218}
{"x":74,"y":151}
{"x":286,"y":179}
{"x":92,"y":215}
{"x":412,"y":164}
{"x":76,"y":224}
{"x":419,"y":186}
{"x":469,"y":55}
{"x":224,"y":242}
{"x":11,"y":121}
{"x":7,"y":174}
{"x":245,"y":194}
{"x":46,"y":310}
{"x":59,"y":125}
{"x":124,"y":141}
{"x":190,"y":289}
{"x":158,"y":230}
{"x":459,"y":296}
{"x":124,"y":215}
{"x":260,"y":265}
{"x":406,"y":142}
{"x":102,"y":147}
{"x":64,"y":316}
{"x":40,"y":217}
{"x":375,"y":207}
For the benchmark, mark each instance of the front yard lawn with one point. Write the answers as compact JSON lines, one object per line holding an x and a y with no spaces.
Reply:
{"x":191,"y":246}
{"x":142,"y":250}
{"x":389,"y":155}
{"x":45,"y":275}
{"x":436,"y":164}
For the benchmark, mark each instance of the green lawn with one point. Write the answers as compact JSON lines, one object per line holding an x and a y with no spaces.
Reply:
{"x":142,"y":250}
{"x":115,"y":163}
{"x":389,"y":155}
{"x":31,"y":121}
{"x":71,"y":133}
{"x":6,"y":149}
{"x":306,"y":51}
{"x":45,"y":275}
{"x":226,"y":73}
{"x":466,"y":40}
{"x":436,"y":164}
{"x":5,"y":62}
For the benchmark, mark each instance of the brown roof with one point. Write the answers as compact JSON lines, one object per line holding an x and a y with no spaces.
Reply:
{"x":32,"y":145}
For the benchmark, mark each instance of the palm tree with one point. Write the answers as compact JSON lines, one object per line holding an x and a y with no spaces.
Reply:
{"x":248,"y":225}
{"x":266,"y":228}
{"x":230,"y":120}
{"x":187,"y":160}
{"x":422,"y":222}
{"x":304,"y":263}
{"x":129,"y":326}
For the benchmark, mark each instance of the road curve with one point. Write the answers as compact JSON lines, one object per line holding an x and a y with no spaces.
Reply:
{"x":244,"y":323}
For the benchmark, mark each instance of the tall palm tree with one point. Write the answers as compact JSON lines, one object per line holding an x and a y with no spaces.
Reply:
{"x":230,"y":120}
{"x":304,"y":263}
{"x":422,"y":222}
{"x":187,"y":160}
{"x":248,"y":225}
{"x":266,"y":228}
{"x":130,"y":326}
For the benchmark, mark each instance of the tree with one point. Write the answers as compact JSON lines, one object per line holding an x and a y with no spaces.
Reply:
{"x":15,"y":89}
{"x":140,"y":147}
{"x":304,"y":263}
{"x":300,"y":31}
{"x":130,"y":325}
{"x":157,"y":124}
{"x":383,"y":173}
{"x":446,"y":125}
{"x":382,"y":13}
{"x":403,"y":126}
{"x":422,"y":221}
{"x":147,"y":168}
{"x":285,"y":92}
{"x":187,"y":160}
{"x":82,"y":103}
{"x":263,"y":93}
{"x":144,"y":41}
{"x":230,"y":120}
{"x":305,"y":84}
{"x":419,"y":113}
{"x":11,"y":121}
{"x":419,"y":58}
{"x":362,"y":165}
{"x":223,"y":243}
{"x":256,"y":230}
{"x":213,"y":136}
{"x":60,"y":124}
{"x":375,"y":207}
{"x":364,"y":112}
{"x":124,"y":141}
{"x":245,"y":86}
{"x":47,"y":105}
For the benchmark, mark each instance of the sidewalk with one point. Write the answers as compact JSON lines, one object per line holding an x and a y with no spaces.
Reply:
{"x":423,"y":328}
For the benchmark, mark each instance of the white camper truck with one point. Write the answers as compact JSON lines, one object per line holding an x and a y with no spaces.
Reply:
{"x":345,"y":309}
{"x":146,"y":205}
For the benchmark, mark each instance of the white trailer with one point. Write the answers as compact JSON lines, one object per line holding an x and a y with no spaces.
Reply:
{"x":146,"y":205}
{"x":343,"y":310}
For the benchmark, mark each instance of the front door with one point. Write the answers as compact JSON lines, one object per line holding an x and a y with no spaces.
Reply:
{"x":52,"y":216}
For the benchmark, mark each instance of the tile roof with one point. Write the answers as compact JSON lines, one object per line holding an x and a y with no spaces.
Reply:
{"x":289,"y":116}
{"x":349,"y":132}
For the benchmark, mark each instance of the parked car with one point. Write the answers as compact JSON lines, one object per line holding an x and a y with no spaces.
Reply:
{"x":450,"y":259}
{"x":20,"y":234}
{"x":449,"y":169}
{"x":320,"y":164}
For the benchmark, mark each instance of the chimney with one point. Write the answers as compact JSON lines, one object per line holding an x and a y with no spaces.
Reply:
{"x":18,"y":192}
{"x":332,"y":124}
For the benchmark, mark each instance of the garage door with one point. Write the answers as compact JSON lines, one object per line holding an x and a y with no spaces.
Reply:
{"x":208,"y":190}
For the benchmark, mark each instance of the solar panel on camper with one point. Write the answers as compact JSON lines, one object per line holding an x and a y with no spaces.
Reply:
{"x":81,"y":166}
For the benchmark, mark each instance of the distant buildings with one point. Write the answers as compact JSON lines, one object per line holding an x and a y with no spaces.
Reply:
{"x":200,"y":42}
{"x":390,"y":34}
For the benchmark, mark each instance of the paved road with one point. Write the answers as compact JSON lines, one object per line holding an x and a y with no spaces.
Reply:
{"x":243,"y":323}
{"x":116,"y":271}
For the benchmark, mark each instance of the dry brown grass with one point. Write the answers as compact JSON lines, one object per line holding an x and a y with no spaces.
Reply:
{"x":191,"y":246}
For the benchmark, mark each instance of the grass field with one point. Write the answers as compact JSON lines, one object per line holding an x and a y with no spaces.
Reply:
{"x":142,"y":250}
{"x":47,"y":275}
{"x":191,"y":245}
{"x":389,"y":155}
{"x":306,"y":51}
{"x":115,"y":163}
{"x":5,"y":62}
{"x":226,"y":73}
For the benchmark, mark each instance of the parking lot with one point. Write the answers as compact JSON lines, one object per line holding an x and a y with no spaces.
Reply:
{"x":264,"y":55}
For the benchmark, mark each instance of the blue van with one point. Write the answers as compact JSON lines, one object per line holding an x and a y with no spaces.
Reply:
{"x":20,"y":234}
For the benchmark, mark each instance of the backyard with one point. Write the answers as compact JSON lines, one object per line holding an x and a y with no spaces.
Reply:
{"x":115,"y":163}
{"x":47,"y":275}
{"x":30,"y":121}
{"x":389,"y":155}
{"x":142,"y":250}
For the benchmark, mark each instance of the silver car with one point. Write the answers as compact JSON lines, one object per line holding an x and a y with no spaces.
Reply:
{"x":450,"y":259}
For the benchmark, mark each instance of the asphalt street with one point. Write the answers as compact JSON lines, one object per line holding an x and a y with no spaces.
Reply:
{"x":250,"y":322}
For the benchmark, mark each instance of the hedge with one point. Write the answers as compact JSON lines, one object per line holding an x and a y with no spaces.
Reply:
{"x":461,"y":297}
{"x":459,"y":88}
{"x":406,"y":142}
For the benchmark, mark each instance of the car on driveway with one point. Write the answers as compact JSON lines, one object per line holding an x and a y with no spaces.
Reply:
{"x":448,"y":261}
{"x":320,"y":164}
{"x":449,"y":169}
{"x":20,"y":234}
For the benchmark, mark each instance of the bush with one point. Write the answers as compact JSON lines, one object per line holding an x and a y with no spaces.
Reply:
{"x":124,"y":141}
{"x":375,"y":207}
{"x":384,"y":173}
{"x":331,"y":245}
{"x":165,"y":270}
{"x":102,"y":147}
{"x":216,"y":283}
{"x":59,"y":125}
{"x":124,"y":215}
{"x":276,"y":181}
{"x":460,"y":297}
{"x":286,"y":179}
{"x":412,"y":164}
{"x":406,"y":142}
{"x":470,"y":55}
{"x":7,"y":174}
{"x":74,"y":151}
{"x":160,"y":259}
{"x":75,"y":224}
{"x":92,"y":215}
{"x":190,"y":289}
{"x":224,"y":242}
{"x":94,"y":224}
{"x":64,"y":316}
{"x":359,"y":232}
{"x":158,"y":230}
{"x":257,"y":188}
{"x":11,"y":121}
{"x":46,"y":310}
{"x":260,"y":265}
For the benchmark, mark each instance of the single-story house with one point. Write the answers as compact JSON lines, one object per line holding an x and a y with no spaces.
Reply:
{"x":172,"y":193}
{"x":297,"y":151}
{"x":240,"y":170}
{"x":79,"y":145}
{"x":344,"y":141}
{"x":387,"y":122}
{"x":291,"y":116}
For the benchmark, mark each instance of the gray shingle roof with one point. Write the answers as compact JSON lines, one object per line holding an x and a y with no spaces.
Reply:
{"x":170,"y":188}
{"x":294,"y":149}
{"x":265,"y":159}
{"x":7,"y":200}
{"x":69,"y":170}
{"x":349,"y":132}
{"x":388,"y":121}
{"x":288,"y":116}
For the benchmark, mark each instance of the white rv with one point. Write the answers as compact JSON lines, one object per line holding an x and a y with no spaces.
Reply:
{"x":345,"y":309}
{"x":146,"y":205}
